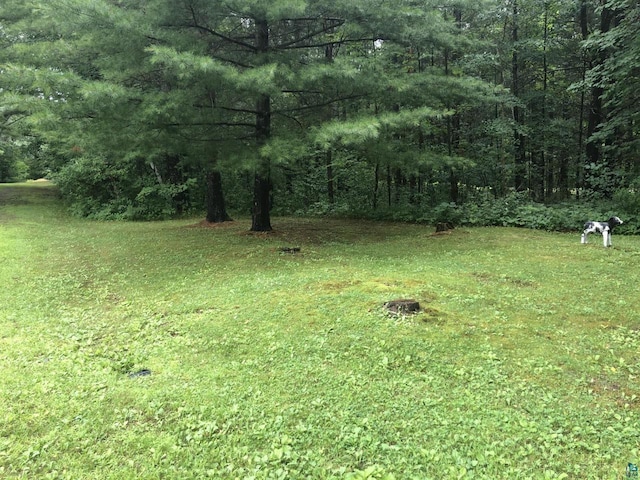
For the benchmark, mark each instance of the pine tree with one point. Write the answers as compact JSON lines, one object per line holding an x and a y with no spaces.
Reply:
{"x":614,"y":79}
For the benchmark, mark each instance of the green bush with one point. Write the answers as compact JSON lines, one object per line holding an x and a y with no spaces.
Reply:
{"x":159,"y":200}
{"x":11,"y":169}
{"x":627,"y":202}
{"x":104,"y":189}
{"x":517,"y":210}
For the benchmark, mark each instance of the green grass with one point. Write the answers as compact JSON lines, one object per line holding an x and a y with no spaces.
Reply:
{"x":522,"y":364}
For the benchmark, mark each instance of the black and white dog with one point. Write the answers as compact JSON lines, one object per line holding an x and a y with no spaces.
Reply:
{"x":605,"y":228}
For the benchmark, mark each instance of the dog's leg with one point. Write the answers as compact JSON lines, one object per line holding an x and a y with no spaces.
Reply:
{"x":606,"y":237}
{"x":589,"y":227}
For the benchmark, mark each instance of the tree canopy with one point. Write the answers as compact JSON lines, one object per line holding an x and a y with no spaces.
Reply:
{"x":147,"y":109}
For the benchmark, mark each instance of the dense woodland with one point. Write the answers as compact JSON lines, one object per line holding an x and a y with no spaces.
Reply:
{"x":405,"y":109}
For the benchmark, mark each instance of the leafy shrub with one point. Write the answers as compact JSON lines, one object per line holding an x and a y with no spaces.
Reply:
{"x":103,"y":189}
{"x":158,"y":200}
{"x":12,"y":169}
{"x":627,"y":200}
{"x":444,"y":213}
{"x":322,"y":209}
{"x":517,"y":210}
{"x":601,"y":181}
{"x":89,"y":186}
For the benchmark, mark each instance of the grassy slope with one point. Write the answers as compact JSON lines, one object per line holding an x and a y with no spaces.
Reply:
{"x":523,"y":363}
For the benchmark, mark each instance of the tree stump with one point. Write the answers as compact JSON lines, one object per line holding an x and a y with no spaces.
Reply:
{"x":402,"y":306}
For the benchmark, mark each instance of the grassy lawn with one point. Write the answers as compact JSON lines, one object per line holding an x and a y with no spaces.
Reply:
{"x":523,"y":362}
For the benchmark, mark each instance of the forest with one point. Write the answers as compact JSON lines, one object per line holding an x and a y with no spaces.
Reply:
{"x":484,"y":112}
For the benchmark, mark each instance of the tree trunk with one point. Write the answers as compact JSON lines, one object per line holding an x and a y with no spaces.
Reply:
{"x":596,"y":115}
{"x":520,"y":158}
{"x":543,"y":186}
{"x":399,"y":182}
{"x":413,"y":187}
{"x":261,"y":218}
{"x":331,"y":191}
{"x":584,"y":27}
{"x":175,"y":176}
{"x":453,"y":145}
{"x":596,"y":110}
{"x":216,"y":210}
{"x":454,"y":190}
{"x":453,"y":122}
{"x":563,"y":178}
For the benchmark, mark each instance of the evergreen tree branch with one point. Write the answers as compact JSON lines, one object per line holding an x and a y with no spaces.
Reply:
{"x":325,"y":28}
{"x":209,"y":30}
{"x":318,"y":105}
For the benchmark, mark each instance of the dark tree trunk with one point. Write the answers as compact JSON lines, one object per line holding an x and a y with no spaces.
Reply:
{"x":597,"y":114}
{"x":584,"y":27}
{"x":173,"y":175}
{"x":596,"y":110}
{"x":563,"y":178}
{"x":216,"y":210}
{"x":331,"y":194}
{"x":584,"y":19}
{"x":453,"y":145}
{"x":454,"y":190}
{"x":520,"y":157}
{"x":413,"y":187}
{"x":537,"y":175}
{"x":400,"y":182}
{"x":453,"y":122}
{"x":261,"y":218}
{"x":542,"y":175}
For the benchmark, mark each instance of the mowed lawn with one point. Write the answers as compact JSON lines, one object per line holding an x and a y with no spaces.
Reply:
{"x":253,"y":363}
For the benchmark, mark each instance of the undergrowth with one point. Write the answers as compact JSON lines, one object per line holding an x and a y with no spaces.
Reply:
{"x":514,"y":210}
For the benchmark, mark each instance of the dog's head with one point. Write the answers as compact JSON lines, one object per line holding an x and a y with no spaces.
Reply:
{"x":614,"y":221}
